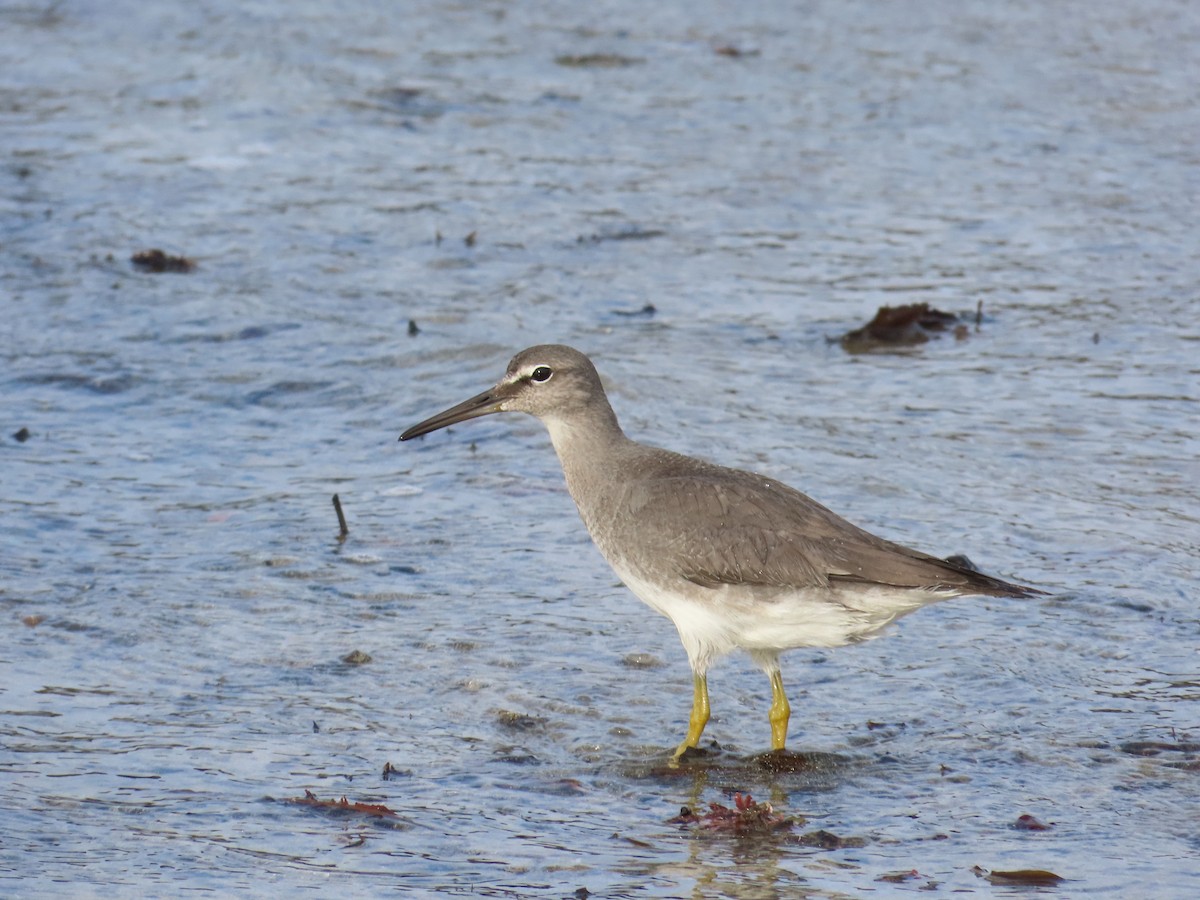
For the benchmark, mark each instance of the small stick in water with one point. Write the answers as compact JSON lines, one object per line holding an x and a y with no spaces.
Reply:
{"x":337,"y":507}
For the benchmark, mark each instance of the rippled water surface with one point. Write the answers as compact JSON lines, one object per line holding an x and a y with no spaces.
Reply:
{"x":180,"y":619}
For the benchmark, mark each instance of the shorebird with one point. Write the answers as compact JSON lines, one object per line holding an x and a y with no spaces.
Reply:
{"x":735,"y":560}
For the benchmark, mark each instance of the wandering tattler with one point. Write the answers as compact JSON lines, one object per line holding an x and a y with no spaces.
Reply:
{"x":735,"y":560}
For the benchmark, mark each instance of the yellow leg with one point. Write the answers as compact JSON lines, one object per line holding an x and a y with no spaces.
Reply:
{"x":700,"y":713}
{"x":780,"y":712}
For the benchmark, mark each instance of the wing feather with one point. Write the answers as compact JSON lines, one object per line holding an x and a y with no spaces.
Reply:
{"x":717,"y":526}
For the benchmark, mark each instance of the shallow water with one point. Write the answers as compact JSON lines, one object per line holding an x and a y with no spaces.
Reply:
{"x":178,"y":607}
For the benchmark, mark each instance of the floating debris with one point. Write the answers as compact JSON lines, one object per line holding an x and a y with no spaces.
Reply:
{"x":516,"y":721}
{"x":516,"y":756}
{"x":734,"y":52}
{"x":631,"y":233}
{"x":1024,"y":877}
{"x":375,"y":810}
{"x":648,"y":311}
{"x":158,"y":261}
{"x":597,"y":61}
{"x":1027,"y":822}
{"x":356,"y":658}
{"x":900,"y":326}
{"x":899,"y":877}
{"x":391,"y":773}
{"x":745,"y":818}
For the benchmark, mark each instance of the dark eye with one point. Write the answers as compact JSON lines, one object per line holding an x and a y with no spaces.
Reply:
{"x":541,"y":373}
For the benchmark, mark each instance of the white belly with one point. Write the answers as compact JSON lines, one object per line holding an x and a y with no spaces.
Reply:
{"x":764,"y":621}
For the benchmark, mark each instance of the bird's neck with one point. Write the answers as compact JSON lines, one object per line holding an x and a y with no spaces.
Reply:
{"x":588,"y":445}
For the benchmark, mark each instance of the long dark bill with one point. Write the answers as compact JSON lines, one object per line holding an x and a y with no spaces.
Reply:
{"x":479,"y":405}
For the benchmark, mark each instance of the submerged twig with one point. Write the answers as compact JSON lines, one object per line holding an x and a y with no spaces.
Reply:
{"x":343,"y":529}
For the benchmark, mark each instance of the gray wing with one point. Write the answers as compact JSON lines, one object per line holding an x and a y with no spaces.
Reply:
{"x":724,"y":526}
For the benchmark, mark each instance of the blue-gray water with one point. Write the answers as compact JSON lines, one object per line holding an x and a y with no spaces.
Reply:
{"x":176,"y":606}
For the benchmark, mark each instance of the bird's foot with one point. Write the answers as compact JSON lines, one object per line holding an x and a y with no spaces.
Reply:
{"x":685,"y":752}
